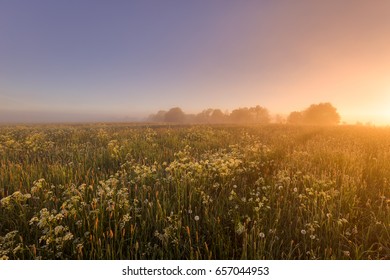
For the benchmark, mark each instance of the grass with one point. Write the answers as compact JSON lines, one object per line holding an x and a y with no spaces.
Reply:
{"x":194,"y":192}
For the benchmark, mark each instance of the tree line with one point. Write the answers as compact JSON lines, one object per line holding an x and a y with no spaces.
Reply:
{"x":315,"y":114}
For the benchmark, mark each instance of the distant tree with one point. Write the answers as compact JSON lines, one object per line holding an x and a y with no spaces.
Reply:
{"x":217,"y":116}
{"x":316,"y":114}
{"x":159,"y":117}
{"x":295,"y":118}
{"x":256,"y":114}
{"x":241,"y":115}
{"x":260,"y":115}
{"x":204,"y":116}
{"x":321,"y":114}
{"x":175,"y":115}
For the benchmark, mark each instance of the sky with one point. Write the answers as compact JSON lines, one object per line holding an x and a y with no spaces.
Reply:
{"x":95,"y":60}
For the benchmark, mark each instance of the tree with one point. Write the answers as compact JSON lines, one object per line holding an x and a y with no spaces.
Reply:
{"x":256,"y":114}
{"x":321,"y":114}
{"x":316,"y":114}
{"x":241,"y":115}
{"x":204,"y":116}
{"x":159,"y":117}
{"x":217,"y":116}
{"x":295,"y":118}
{"x":175,"y":115}
{"x":260,"y":115}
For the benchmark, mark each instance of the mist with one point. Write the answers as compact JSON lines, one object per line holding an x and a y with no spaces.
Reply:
{"x":26,"y":116}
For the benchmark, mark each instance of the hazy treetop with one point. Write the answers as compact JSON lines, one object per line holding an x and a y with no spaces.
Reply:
{"x":316,"y":114}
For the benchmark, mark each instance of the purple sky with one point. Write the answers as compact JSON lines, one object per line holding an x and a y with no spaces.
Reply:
{"x":103,"y":60}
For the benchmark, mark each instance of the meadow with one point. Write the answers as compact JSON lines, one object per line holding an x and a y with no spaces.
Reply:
{"x":120,"y":191}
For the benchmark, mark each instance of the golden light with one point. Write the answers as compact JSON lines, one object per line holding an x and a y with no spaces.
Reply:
{"x":383,"y":110}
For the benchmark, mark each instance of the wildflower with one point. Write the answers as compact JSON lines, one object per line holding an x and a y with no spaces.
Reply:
{"x":303,"y":232}
{"x":189,"y":211}
{"x":240,"y":228}
{"x":33,"y":220}
{"x":126,"y":218}
{"x":295,"y":190}
{"x":79,"y":247}
{"x":58,"y":230}
{"x":312,"y":237}
{"x":342,"y":221}
{"x":59,"y":217}
{"x":196,"y":218}
{"x":261,"y":234}
{"x":68,"y":236}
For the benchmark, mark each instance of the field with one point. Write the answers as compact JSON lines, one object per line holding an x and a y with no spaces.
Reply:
{"x":117,"y":191}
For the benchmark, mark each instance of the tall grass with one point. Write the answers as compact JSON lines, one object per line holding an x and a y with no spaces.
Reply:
{"x":197,"y":192}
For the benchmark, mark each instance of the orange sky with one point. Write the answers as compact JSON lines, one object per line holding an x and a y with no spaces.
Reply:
{"x":137,"y":57}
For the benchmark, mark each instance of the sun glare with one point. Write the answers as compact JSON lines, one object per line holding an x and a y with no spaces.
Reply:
{"x":385,"y":110}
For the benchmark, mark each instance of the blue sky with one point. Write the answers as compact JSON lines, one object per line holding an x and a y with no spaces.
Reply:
{"x":111,"y":59}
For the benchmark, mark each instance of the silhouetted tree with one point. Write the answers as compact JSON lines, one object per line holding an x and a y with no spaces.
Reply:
{"x":175,"y":115}
{"x":256,"y":114}
{"x":316,"y":114}
{"x":241,"y":115}
{"x":295,"y":118}
{"x":259,"y":115}
{"x":159,"y":117}
{"x":218,"y":117}
{"x":204,"y":116}
{"x":321,"y":114}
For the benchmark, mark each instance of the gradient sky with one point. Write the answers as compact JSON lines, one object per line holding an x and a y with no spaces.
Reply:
{"x":97,"y":60}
